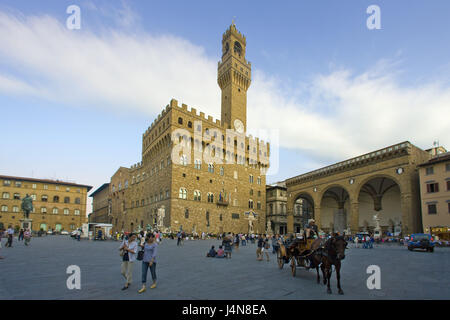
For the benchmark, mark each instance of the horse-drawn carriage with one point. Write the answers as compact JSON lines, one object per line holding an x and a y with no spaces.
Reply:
{"x":297,"y":253}
{"x":312,"y":253}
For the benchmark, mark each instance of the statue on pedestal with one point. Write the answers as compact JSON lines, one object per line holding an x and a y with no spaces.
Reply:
{"x":377,"y":222}
{"x":269,"y":227}
{"x":251,"y":218}
{"x":161,"y":215}
{"x":27,"y":206}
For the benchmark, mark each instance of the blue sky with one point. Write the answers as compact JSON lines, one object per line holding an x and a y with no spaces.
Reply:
{"x":75,"y":103}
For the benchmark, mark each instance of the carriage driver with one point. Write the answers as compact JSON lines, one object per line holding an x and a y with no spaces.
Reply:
{"x":311,"y":226}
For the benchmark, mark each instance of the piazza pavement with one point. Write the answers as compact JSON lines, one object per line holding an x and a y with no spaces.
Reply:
{"x":39,"y":272}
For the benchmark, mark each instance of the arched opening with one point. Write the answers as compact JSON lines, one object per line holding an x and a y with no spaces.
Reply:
{"x":303,"y":210}
{"x":380,"y":206}
{"x":334,"y":207}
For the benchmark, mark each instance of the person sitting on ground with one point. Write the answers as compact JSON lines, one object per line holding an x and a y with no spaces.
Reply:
{"x":212,"y":253}
{"x":220,"y":253}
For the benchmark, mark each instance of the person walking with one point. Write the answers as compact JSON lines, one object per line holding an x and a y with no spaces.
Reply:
{"x":275,"y":245}
{"x":244,"y":240}
{"x":129,"y":248}
{"x":149,"y":261}
{"x":259,"y":250}
{"x":21,"y":235}
{"x":356,"y":242}
{"x":236,"y":242}
{"x":27,"y":236}
{"x":266,"y":247}
{"x":1,"y":236}
{"x":179,"y":238}
{"x":10,"y":233}
{"x":227,"y":243}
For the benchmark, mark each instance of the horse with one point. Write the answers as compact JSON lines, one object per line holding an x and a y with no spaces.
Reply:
{"x":330,"y":254}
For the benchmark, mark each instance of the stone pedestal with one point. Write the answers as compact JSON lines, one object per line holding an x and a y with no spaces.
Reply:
{"x":26,"y":224}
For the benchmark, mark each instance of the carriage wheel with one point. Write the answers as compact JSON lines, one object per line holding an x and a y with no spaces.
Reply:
{"x":280,"y":260}
{"x":293,"y":266}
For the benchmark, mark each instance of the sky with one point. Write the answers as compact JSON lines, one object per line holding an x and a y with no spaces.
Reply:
{"x":75,"y":103}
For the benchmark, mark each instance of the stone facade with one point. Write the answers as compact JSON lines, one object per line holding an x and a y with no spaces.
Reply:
{"x":58,"y":205}
{"x":435,"y":195}
{"x":100,"y":205}
{"x":371,"y":175}
{"x":197,"y":173}
{"x":276,"y":207}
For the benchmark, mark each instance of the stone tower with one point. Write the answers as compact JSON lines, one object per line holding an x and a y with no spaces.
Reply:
{"x":234,"y":77}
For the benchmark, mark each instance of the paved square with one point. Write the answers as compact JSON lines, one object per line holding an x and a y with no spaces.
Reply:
{"x":39,"y":272}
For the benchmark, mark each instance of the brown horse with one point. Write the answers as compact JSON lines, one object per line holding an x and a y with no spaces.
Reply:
{"x":331,"y":254}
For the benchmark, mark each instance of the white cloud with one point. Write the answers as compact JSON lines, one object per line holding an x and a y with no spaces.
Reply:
{"x":342,"y":115}
{"x":347,"y":114}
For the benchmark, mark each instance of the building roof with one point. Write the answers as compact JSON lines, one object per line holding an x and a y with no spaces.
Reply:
{"x":396,"y":150}
{"x":277,"y":185}
{"x":105,"y":185}
{"x":443,"y":157}
{"x":61,"y":182}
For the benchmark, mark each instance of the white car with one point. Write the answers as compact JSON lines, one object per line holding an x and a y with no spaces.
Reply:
{"x":64,"y":232}
{"x":49,"y":232}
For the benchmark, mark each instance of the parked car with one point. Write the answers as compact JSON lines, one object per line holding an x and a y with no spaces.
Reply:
{"x":49,"y":232}
{"x":73,"y":233}
{"x":64,"y":232}
{"x":421,"y":241}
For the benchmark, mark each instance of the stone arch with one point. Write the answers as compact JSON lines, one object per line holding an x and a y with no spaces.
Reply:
{"x":301,"y":194}
{"x":379,"y":175}
{"x":335,"y":208}
{"x":303,"y":208}
{"x":338,"y":185}
{"x":380,"y":195}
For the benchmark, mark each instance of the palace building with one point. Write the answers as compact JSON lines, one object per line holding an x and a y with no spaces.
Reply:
{"x":197,"y":174}
{"x":57,"y":205}
{"x":435,"y":194}
{"x":100,"y":204}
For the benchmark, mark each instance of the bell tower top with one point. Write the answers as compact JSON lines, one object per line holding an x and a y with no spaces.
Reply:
{"x":233,"y":42}
{"x":234,"y":77}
